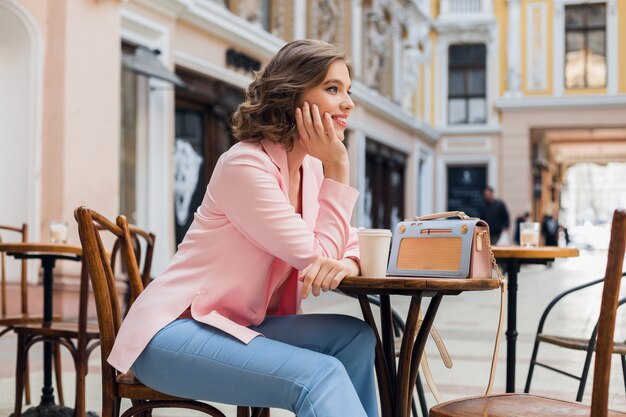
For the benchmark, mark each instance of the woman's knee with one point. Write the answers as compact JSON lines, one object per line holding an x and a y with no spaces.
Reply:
{"x":363,"y":334}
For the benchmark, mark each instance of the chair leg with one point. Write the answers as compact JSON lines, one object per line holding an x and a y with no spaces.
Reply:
{"x":624,"y":369}
{"x":260,"y":412}
{"x":58,"y":372}
{"x":584,"y":375}
{"x":531,"y":367}
{"x":27,"y":380}
{"x":20,"y":368}
{"x":422,"y":398}
{"x":243,"y":411}
{"x":81,"y":373}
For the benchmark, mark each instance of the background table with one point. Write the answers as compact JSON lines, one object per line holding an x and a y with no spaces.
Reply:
{"x":396,"y":383}
{"x":48,"y":253}
{"x":510,"y":258}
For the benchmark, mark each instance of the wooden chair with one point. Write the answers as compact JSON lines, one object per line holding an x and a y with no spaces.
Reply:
{"x":9,"y":320}
{"x":586,"y":345}
{"x":79,"y":337}
{"x":514,"y":405}
{"x":116,"y":386}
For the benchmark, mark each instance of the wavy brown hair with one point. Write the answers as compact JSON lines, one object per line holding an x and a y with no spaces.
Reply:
{"x":271,"y":99}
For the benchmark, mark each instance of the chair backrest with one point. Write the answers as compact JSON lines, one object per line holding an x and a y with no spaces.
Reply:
{"x":146,"y":249}
{"x":103,"y":278}
{"x":23,"y":231}
{"x":608,"y":311}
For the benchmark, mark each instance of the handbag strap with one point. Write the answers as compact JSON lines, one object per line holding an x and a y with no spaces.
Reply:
{"x":496,"y":347}
{"x":442,"y":215}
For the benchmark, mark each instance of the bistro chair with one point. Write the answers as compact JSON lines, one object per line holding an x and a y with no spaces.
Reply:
{"x":115,"y":385}
{"x":79,"y":337}
{"x":9,"y":320}
{"x":586,"y":345}
{"x":518,"y":405}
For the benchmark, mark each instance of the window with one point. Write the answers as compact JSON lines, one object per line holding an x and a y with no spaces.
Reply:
{"x":202,"y":134}
{"x":128,"y":141}
{"x":384,"y":188}
{"x":465,"y":188}
{"x":467,"y":86}
{"x":585,"y":45}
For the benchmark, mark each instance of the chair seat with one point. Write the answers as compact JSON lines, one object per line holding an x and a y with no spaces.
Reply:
{"x":129,"y":387}
{"x":619,"y":348}
{"x":66,"y":329}
{"x":512,"y":405}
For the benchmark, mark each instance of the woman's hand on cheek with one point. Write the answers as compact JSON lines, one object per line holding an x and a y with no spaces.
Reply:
{"x":326,"y":274}
{"x":318,"y":136}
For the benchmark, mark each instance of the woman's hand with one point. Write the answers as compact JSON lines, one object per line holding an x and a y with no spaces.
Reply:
{"x":325,"y":274}
{"x":319,"y":139}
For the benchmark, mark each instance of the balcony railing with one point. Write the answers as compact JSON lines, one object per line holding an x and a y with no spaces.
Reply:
{"x":465,"y":7}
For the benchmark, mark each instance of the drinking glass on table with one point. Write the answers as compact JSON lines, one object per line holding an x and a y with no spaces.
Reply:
{"x":529,"y":234}
{"x":58,"y":231}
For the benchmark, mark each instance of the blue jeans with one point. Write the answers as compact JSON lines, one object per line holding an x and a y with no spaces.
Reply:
{"x":317,"y":365}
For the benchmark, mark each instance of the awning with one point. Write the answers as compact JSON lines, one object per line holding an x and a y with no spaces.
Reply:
{"x":145,"y":62}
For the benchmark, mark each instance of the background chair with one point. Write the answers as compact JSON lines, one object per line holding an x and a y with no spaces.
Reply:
{"x":116,"y":386}
{"x":8,"y":320}
{"x":80,"y":337}
{"x":583,"y":344}
{"x":522,"y":405}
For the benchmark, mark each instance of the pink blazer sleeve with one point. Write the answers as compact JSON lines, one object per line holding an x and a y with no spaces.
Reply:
{"x":352,"y":247}
{"x":251,"y":197}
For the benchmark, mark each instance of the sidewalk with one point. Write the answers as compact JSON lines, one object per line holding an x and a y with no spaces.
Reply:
{"x":467,"y":323}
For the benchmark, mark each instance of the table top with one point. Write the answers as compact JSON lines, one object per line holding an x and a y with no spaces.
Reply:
{"x":358,"y":285}
{"x":41,"y":248}
{"x":539,"y":252}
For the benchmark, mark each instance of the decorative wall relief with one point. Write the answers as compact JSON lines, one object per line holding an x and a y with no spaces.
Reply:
{"x":251,"y":11}
{"x":417,"y":50}
{"x":536,"y":47}
{"x":328,"y":12}
{"x":410,"y":76}
{"x":187,"y":165}
{"x":375,"y":26}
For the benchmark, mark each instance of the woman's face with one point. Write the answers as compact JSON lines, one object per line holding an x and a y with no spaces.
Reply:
{"x":332,"y":96}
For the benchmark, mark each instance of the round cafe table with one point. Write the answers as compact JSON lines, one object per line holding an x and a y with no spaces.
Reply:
{"x":48,"y":253}
{"x":396,"y":382}
{"x":511,"y":258}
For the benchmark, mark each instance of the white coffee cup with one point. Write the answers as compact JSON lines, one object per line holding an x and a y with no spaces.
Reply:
{"x":374,"y":251}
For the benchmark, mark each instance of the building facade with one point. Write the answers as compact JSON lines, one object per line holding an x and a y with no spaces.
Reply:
{"x":123,"y":106}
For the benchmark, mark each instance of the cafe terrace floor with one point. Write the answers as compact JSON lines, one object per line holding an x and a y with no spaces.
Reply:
{"x":466,"y":322}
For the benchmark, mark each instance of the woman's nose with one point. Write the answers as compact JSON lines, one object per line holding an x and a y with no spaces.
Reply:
{"x":347,"y":104}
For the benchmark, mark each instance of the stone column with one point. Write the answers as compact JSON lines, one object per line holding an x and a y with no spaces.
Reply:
{"x":514,"y":76}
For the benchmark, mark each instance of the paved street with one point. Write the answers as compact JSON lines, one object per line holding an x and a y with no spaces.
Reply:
{"x":466,"y":322}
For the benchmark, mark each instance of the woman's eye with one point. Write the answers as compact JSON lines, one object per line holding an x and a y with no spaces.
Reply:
{"x":332,"y":89}
{"x":349,"y":92}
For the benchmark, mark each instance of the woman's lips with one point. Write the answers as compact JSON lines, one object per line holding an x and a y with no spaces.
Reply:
{"x":341,"y":120}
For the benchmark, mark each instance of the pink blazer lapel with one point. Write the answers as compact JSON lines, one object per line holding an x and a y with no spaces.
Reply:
{"x":309,"y":194}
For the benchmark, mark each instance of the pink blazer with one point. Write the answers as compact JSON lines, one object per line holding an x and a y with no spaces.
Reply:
{"x":244,"y":240}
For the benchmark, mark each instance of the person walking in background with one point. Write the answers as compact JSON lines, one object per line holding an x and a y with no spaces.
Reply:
{"x":495,"y":213}
{"x":518,"y":221}
{"x":550,"y":227}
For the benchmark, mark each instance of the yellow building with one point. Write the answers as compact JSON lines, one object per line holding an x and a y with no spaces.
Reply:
{"x":523,"y":90}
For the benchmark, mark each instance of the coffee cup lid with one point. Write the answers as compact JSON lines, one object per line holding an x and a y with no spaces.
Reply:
{"x":374,"y":232}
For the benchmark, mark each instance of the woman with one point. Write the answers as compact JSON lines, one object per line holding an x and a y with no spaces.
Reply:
{"x":220,"y":323}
